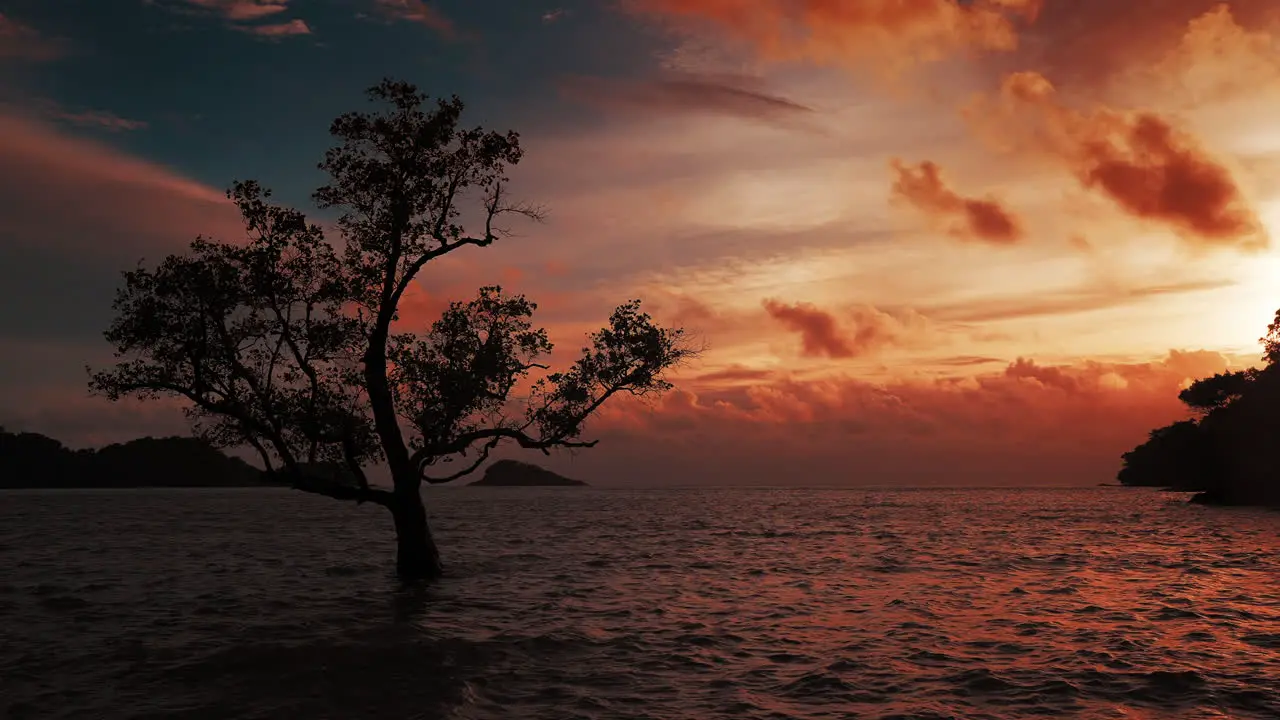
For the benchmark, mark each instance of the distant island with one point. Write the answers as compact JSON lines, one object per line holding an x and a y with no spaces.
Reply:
{"x":1227,"y":453}
{"x":32,"y":460}
{"x":513,"y":473}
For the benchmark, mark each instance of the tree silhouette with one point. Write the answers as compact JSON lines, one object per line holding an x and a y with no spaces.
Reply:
{"x":1227,"y":452}
{"x":288,"y":343}
{"x":1208,"y":394}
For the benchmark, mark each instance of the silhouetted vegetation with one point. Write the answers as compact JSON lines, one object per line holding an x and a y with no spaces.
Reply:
{"x":1230,"y":453}
{"x":285,"y":343}
{"x":31,"y":460}
{"x":513,"y":473}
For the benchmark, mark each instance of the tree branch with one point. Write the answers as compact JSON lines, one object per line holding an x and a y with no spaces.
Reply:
{"x":484,"y":455}
{"x":338,"y":491}
{"x":493,"y":208}
{"x":351,"y":458}
{"x":466,"y":440}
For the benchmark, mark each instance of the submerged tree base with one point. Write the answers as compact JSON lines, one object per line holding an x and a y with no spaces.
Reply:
{"x":417,"y":557}
{"x":418,"y":565}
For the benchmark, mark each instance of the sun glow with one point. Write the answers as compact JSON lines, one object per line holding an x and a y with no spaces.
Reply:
{"x":794,"y":199}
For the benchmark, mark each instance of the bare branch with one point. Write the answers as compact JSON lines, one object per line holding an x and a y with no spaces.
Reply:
{"x":482,"y":456}
{"x":464,"y":442}
{"x":338,"y":491}
{"x":493,"y":209}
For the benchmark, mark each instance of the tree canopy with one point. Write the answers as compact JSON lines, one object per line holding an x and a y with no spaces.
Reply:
{"x":287,"y":341}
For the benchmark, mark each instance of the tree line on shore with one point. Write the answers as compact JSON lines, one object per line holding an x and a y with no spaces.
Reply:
{"x":32,"y":460}
{"x":1229,"y":451}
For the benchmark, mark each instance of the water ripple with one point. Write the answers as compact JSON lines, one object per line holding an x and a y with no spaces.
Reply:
{"x":596,"y":604}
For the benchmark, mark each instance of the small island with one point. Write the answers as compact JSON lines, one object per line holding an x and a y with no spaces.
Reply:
{"x":35,"y":461}
{"x":513,"y":473}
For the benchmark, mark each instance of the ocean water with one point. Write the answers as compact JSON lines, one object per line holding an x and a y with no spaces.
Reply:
{"x":594,"y":603}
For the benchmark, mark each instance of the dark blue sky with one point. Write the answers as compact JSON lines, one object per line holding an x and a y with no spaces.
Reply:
{"x":222,"y":103}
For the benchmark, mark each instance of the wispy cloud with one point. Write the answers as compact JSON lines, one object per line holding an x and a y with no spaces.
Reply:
{"x":277,"y":30}
{"x":1149,"y":168}
{"x":82,"y":196}
{"x":22,"y":42}
{"x":248,"y":16}
{"x":100,"y":119}
{"x":1069,"y":302}
{"x":732,"y":95}
{"x":417,"y":11}
{"x":246,"y":9}
{"x":861,"y":331}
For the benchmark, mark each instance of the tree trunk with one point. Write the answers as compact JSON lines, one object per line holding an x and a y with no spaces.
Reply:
{"x":416,"y":555}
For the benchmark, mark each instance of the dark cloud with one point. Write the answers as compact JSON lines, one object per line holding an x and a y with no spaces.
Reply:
{"x":1086,"y":43}
{"x":822,"y":334}
{"x":983,"y":219}
{"x":722,"y":94}
{"x":1156,"y":173}
{"x":1149,"y":168}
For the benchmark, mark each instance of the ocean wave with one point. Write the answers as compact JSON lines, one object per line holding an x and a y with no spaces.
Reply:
{"x":700,"y":604}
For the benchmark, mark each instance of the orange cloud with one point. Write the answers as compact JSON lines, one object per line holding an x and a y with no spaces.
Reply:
{"x":1122,"y":36}
{"x":1155,"y":172}
{"x":1044,"y":35}
{"x":1141,"y":162}
{"x":838,"y":31}
{"x":64,"y":192}
{"x":1064,"y":424}
{"x":1025,"y":423}
{"x":1218,"y":58}
{"x":982,"y":219}
{"x":822,"y":334}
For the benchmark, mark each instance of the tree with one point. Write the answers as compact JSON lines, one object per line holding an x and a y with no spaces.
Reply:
{"x":1228,"y":451}
{"x":1208,"y":394}
{"x":1271,"y":342}
{"x":288,"y":343}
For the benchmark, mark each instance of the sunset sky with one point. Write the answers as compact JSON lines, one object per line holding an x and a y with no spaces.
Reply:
{"x":924,"y":241}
